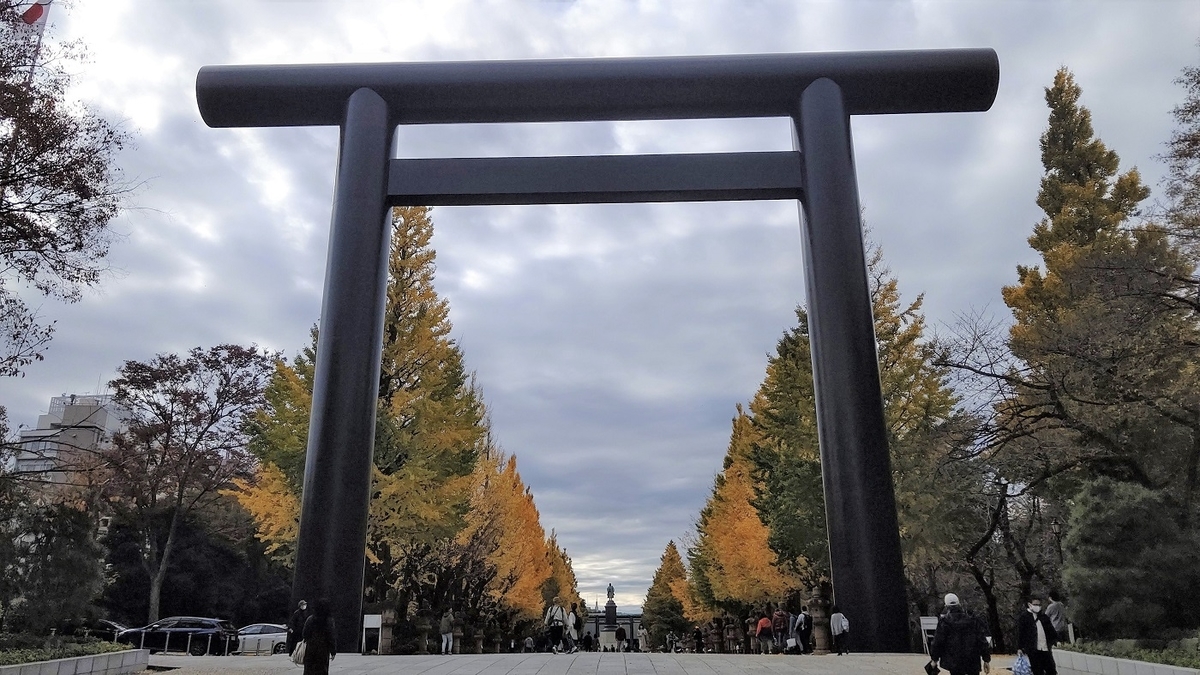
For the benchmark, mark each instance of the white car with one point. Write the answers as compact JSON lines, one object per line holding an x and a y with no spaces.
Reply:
{"x":258,"y":638}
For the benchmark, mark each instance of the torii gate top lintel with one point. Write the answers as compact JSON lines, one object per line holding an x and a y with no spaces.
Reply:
{"x":597,"y":89}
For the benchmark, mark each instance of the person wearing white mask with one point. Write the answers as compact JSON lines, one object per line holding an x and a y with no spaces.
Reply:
{"x":1036,"y":637}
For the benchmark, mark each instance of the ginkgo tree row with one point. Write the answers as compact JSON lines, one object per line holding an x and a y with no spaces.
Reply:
{"x":452,"y":525}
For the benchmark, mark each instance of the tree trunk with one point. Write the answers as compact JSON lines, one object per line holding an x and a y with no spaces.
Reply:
{"x":157,"y":575}
{"x":1190,"y":478}
{"x":993,"y":609}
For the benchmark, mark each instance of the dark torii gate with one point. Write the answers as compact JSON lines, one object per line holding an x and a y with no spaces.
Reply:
{"x":818,"y":91}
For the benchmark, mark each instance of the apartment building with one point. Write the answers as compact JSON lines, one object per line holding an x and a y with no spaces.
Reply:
{"x":71,"y":430}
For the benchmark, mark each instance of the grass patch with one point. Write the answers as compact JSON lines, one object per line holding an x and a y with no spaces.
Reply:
{"x":1176,"y":656}
{"x":16,"y":655}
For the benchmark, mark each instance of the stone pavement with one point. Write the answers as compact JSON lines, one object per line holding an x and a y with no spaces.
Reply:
{"x":566,"y":664}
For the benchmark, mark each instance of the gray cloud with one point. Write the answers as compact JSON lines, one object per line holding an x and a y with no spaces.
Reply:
{"x":612,"y":342}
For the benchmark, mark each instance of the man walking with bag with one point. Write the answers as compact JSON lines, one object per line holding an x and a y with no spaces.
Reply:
{"x":1035,"y":638}
{"x":295,"y":625}
{"x":960,"y":641}
{"x":839,"y":627}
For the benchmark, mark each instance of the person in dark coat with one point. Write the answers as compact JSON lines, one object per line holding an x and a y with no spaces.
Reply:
{"x":960,"y":641}
{"x":295,"y":625}
{"x":1035,"y":638}
{"x":320,"y":640}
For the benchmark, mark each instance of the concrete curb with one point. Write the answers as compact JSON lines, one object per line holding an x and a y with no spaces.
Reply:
{"x":1076,"y":663}
{"x":112,"y":663}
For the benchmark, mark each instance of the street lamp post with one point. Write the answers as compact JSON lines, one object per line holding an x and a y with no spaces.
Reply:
{"x":1056,"y":530}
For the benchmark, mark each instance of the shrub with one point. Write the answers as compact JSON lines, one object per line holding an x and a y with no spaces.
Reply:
{"x":10,"y":656}
{"x":1131,"y":565}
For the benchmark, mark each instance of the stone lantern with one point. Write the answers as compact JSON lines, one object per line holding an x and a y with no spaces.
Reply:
{"x":818,"y":606}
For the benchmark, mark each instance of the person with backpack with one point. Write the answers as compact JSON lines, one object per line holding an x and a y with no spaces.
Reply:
{"x":960,"y":641}
{"x":804,"y":627}
{"x":556,"y":622}
{"x":839,"y":626}
{"x":780,"y":621}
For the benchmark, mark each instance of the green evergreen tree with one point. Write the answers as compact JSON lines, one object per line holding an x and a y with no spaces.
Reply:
{"x":662,"y":612}
{"x":1133,"y":572}
{"x":55,"y":571}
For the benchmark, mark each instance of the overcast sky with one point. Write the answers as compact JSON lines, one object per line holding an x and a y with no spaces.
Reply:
{"x":612,"y":342}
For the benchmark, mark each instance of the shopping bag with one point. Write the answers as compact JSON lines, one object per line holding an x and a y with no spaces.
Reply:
{"x":298,"y":653}
{"x":931,"y":668}
{"x":791,"y":643}
{"x":1021,"y":666}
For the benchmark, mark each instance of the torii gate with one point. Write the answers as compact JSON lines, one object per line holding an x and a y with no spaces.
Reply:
{"x":818,"y":91}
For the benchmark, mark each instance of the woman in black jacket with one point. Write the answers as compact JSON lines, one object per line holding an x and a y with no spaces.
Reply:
{"x":320,"y":639}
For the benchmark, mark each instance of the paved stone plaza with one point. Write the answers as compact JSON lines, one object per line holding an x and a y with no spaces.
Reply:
{"x":566,"y":664}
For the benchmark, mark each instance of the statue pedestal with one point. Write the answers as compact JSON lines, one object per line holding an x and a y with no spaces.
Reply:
{"x":608,"y":638}
{"x":608,"y":632}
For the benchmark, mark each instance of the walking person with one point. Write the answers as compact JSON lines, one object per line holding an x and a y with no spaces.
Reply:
{"x":295,"y":625}
{"x":620,"y":636}
{"x":643,"y":639}
{"x":780,"y":624}
{"x":804,"y":627}
{"x":574,"y":624}
{"x":1056,"y":611}
{"x":960,"y":642}
{"x":320,"y":639}
{"x":839,"y":626}
{"x":763,"y":633}
{"x":446,"y":628}
{"x":556,"y":621}
{"x":1036,"y":637}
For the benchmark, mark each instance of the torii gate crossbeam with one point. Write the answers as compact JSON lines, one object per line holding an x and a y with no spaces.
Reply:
{"x":818,"y":91}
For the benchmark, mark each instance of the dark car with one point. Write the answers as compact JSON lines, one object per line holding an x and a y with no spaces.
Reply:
{"x":193,"y":635}
{"x":102,"y":629}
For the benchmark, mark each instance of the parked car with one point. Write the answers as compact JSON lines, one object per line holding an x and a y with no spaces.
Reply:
{"x":263,"y":637}
{"x":195,"y":635}
{"x":96,"y":628}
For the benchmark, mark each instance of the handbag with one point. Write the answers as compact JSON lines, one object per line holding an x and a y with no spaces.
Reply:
{"x":1021,"y":665}
{"x":931,"y":668}
{"x":298,"y":653}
